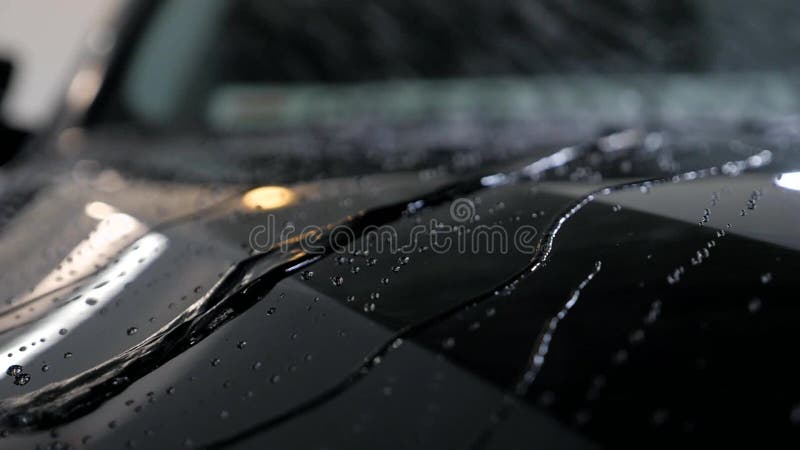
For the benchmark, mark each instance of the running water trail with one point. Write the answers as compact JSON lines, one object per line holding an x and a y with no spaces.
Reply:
{"x":244,"y":285}
{"x":539,"y":259}
{"x":542,"y":346}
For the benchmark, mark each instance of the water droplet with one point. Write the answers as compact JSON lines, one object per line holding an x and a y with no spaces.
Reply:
{"x":271,"y":311}
{"x":403,"y":260}
{"x":448,"y":343}
{"x":636,"y":337}
{"x":14,"y":370}
{"x":215,"y":362}
{"x":63,"y":331}
{"x":241,"y":345}
{"x":754,"y":305}
{"x":45,"y":368}
{"x":306,"y":275}
{"x":132,"y":330}
{"x":766,"y":278}
{"x":22,"y":379}
{"x":67,"y":355}
{"x":385,"y":280}
{"x":337,"y":280}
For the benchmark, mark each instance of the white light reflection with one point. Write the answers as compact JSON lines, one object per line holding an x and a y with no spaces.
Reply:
{"x":555,"y":160}
{"x":99,"y":210}
{"x":102,"y":289}
{"x":789,"y":180}
{"x":534,"y":169}
{"x":494,"y":180}
{"x":114,"y":233}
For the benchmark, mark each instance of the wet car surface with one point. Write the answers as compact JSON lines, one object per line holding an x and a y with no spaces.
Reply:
{"x":633,"y":318}
{"x":483,"y":281}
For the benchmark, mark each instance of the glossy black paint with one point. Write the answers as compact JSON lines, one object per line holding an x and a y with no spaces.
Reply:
{"x":272,"y":357}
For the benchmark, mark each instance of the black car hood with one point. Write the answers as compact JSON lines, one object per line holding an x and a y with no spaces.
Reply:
{"x":649,"y":303}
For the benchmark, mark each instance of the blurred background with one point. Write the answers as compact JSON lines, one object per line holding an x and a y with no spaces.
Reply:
{"x":42,"y":39}
{"x":314,"y":41}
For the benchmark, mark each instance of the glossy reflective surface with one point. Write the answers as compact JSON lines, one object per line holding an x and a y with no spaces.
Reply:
{"x":146,"y":305}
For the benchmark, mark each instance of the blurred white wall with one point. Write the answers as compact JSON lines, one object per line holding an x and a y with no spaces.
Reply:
{"x":43,"y":38}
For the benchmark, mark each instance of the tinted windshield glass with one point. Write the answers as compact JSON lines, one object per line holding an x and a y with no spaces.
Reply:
{"x":244,"y":65}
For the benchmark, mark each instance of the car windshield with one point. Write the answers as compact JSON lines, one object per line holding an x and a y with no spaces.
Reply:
{"x":233,"y":66}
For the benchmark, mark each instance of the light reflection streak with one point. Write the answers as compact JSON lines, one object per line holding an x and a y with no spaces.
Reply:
{"x":557,"y":159}
{"x":789,"y":180}
{"x":114,"y":233}
{"x":104,"y":287}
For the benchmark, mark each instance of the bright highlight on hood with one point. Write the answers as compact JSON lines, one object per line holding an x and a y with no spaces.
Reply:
{"x":114,"y":239}
{"x":268,"y":197}
{"x":99,"y":210}
{"x":789,"y":180}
